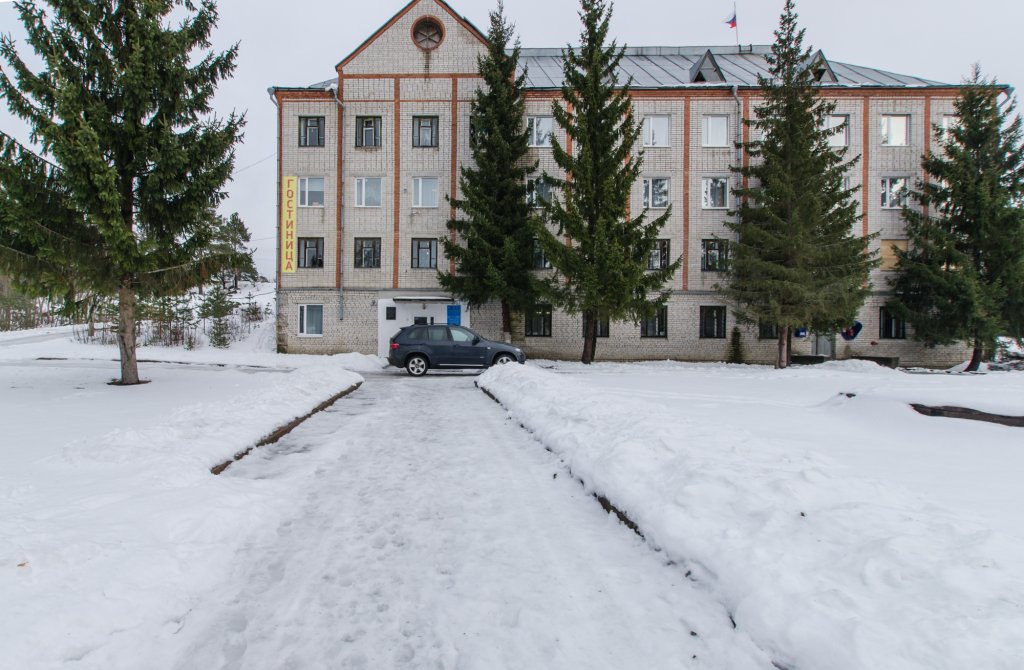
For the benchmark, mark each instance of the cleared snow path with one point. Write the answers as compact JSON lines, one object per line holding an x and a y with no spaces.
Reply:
{"x":429,"y":531}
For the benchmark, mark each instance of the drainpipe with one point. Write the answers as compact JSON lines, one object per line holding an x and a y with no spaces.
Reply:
{"x":338,"y":195}
{"x":739,"y":135}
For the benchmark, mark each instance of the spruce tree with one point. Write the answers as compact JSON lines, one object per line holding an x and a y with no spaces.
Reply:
{"x":962,"y":276}
{"x":494,"y":257}
{"x":122,"y":106}
{"x":603,"y":272}
{"x":797,"y":260}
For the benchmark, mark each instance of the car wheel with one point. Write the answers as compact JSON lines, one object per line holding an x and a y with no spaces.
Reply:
{"x":416,"y":365}
{"x":504,"y":359}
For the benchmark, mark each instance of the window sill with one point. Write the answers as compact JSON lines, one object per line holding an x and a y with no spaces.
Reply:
{"x":654,"y":337}
{"x":310,"y":336}
{"x":377,"y":146}
{"x":312,"y":206}
{"x":367,"y":206}
{"x":657,"y":146}
{"x":715,"y":209}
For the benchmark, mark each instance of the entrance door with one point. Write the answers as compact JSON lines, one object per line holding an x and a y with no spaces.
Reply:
{"x":824,"y":346}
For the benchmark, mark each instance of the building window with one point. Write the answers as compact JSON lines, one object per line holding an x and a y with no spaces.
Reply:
{"x":368,"y":191}
{"x":656,"y":193}
{"x":894,"y":192}
{"x":311,"y":320}
{"x":538,"y":192}
{"x":715,"y":193}
{"x":540,"y":259}
{"x":891,"y":327}
{"x":424,"y":254}
{"x":715,"y":131}
{"x":655,"y":131}
{"x":538,"y":321}
{"x":949,"y":121}
{"x":311,"y":131}
{"x":311,"y":191}
{"x":895,"y":130}
{"x":538,"y":130}
{"x":767,"y":331}
{"x":657,"y":325}
{"x":712,"y":322}
{"x":714,"y":255}
{"x":602,"y":327}
{"x":889,"y":257}
{"x":424,"y":131}
{"x":368,"y":131}
{"x":839,"y":125}
{"x":311,"y":252}
{"x":424,"y":191}
{"x":659,"y":258}
{"x":367,"y":252}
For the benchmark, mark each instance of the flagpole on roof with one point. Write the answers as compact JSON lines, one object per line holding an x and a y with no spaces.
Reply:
{"x":734,"y":17}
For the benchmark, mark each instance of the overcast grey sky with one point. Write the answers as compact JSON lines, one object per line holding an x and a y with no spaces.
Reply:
{"x":297,"y":43}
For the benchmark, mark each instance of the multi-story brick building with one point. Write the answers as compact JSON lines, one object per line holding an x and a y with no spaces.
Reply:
{"x":366,"y":160}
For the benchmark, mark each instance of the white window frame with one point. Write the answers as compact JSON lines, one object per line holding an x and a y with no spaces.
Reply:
{"x":304,"y":191}
{"x":887,"y":130}
{"x":842,"y":138}
{"x":648,"y":192}
{"x":888,"y":193}
{"x":706,"y":130}
{"x":649,"y":138}
{"x":417,"y":192}
{"x":705,"y":200}
{"x":533,"y":129}
{"x":360,"y":184}
{"x":533,"y":193}
{"x":949,"y":121}
{"x":304,"y":318}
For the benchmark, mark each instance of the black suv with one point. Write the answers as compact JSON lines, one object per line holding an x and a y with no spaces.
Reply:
{"x":419,"y":348}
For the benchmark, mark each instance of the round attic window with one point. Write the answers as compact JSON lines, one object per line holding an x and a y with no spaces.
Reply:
{"x":427,"y":34}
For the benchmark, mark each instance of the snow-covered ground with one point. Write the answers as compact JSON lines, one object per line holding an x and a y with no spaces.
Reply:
{"x":415,"y":524}
{"x":840,"y":528}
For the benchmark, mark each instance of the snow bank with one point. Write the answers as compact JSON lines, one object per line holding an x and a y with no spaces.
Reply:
{"x":110,"y":521}
{"x":822,"y":568}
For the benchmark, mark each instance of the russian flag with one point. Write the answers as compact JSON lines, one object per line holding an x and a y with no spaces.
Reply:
{"x":731,"y":20}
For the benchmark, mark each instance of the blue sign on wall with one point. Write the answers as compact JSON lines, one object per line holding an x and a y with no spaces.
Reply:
{"x":454,"y":315}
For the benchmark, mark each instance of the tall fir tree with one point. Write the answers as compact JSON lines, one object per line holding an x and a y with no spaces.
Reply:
{"x":962,"y":276}
{"x":603,"y":272}
{"x":230,"y":240}
{"x":494,"y":253}
{"x":122,"y":105}
{"x":797,"y":260}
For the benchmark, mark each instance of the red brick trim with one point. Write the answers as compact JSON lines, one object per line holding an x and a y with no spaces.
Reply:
{"x":686,"y":193}
{"x":455,"y":161}
{"x":397,"y":178}
{"x":865,"y":165}
{"x":340,"y":187}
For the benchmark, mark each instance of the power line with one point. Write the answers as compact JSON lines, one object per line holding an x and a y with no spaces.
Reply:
{"x":262,"y":160}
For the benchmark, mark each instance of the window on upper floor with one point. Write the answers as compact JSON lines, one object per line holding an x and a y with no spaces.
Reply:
{"x":424,"y":191}
{"x":949,"y":121}
{"x":538,"y":130}
{"x":311,"y":131}
{"x":656,"y":192}
{"x":839,"y":125}
{"x":368,"y":131}
{"x":311,"y":252}
{"x":367,"y":252}
{"x":714,"y":255}
{"x":895,"y":130}
{"x":715,"y":131}
{"x":424,"y":253}
{"x":894,"y":192}
{"x":538,"y":191}
{"x":659,"y":258}
{"x":715,"y":193}
{"x":424,"y":131}
{"x":311,"y":191}
{"x":540,"y":259}
{"x":368,"y":191}
{"x":655,"y":131}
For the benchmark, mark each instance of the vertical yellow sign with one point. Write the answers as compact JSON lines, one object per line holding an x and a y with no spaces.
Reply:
{"x":289,"y":203}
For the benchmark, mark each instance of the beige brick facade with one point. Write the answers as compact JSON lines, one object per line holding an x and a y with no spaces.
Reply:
{"x":392,"y":79}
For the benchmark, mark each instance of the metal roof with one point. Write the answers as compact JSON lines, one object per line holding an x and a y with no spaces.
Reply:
{"x":669,"y":67}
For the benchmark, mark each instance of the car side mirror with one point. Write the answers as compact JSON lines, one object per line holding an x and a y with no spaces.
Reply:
{"x":476,"y":340}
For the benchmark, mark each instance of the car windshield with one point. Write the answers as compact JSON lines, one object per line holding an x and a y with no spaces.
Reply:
{"x":460,"y":334}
